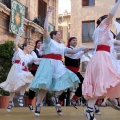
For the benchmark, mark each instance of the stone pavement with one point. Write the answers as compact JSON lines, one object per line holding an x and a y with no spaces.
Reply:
{"x":49,"y":113}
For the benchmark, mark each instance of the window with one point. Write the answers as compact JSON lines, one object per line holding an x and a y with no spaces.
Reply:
{"x":87,"y":31}
{"x":42,"y":8}
{"x":118,"y":36}
{"x":7,"y":3}
{"x":88,"y":2}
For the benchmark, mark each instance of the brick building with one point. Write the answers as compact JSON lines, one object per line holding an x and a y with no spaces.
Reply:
{"x":35,"y":11}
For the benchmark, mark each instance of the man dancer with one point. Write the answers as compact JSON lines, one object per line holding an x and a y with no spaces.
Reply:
{"x":72,"y":62}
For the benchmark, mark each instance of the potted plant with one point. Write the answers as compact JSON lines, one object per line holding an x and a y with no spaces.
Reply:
{"x":5,"y":65}
{"x":4,"y":98}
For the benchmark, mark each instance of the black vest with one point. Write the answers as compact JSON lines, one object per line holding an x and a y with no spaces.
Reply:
{"x":37,"y":53}
{"x":72,"y":62}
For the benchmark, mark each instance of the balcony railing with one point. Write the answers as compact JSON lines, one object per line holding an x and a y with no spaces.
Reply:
{"x":41,"y":19}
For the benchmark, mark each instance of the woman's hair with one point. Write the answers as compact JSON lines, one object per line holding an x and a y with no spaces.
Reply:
{"x":23,"y":45}
{"x":114,"y":36}
{"x":37,"y":43}
{"x":101,"y":19}
{"x":53,"y":33}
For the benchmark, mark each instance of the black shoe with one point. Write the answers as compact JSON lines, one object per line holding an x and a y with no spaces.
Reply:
{"x":73,"y":103}
{"x":37,"y":110}
{"x":89,"y":114}
{"x":30,"y":107}
{"x":112,"y":104}
{"x":96,"y":110}
{"x":10,"y":105}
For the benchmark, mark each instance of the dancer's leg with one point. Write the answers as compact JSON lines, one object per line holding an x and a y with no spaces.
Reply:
{"x":57,"y":105}
{"x":96,"y":108}
{"x":10,"y":104}
{"x":41,"y":95}
{"x":22,"y":92}
{"x":89,"y":111}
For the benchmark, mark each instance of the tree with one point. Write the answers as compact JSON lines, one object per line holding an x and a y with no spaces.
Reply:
{"x":6,"y":53}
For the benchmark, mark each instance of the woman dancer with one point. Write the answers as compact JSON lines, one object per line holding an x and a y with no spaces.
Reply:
{"x":19,"y":77}
{"x":102,"y":76}
{"x":36,"y":53}
{"x":52,"y":75}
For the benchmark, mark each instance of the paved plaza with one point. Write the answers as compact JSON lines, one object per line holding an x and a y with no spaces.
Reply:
{"x":49,"y":113}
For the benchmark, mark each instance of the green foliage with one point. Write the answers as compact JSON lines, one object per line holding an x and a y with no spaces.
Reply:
{"x":6,"y":53}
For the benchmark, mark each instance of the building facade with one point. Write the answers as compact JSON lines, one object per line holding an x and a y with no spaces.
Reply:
{"x":64,"y":26}
{"x":84,"y":14}
{"x":35,"y":12}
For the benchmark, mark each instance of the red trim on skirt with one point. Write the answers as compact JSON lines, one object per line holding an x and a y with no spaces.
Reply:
{"x":25,"y":67}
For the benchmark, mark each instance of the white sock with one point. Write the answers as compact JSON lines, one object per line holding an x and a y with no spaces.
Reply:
{"x":91,"y":102}
{"x":41,"y":95}
{"x":11,"y":96}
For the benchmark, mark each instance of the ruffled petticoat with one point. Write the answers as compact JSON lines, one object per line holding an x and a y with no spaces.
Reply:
{"x":53,"y":78}
{"x":16,"y":79}
{"x":101,"y":78}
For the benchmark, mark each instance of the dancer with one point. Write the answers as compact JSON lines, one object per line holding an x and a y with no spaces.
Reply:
{"x":72,"y":62}
{"x":102,"y":74}
{"x":19,"y":77}
{"x":36,"y":53}
{"x":52,"y":75}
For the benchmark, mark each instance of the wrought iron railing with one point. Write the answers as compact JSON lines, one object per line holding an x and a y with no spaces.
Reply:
{"x":41,"y":19}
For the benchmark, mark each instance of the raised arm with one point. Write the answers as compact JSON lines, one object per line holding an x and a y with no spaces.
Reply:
{"x":112,"y":12}
{"x":46,"y":33}
{"x":17,"y":38}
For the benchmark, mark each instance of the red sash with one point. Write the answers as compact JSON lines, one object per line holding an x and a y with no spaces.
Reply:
{"x":53,"y":56}
{"x":103,"y":48}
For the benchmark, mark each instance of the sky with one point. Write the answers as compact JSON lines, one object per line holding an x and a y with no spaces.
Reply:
{"x":64,"y":5}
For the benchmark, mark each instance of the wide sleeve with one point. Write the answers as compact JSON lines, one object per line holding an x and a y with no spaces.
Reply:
{"x":84,"y":59}
{"x":46,"y":40}
{"x":76,"y":55}
{"x":101,"y":33}
{"x":17,"y":52}
{"x":28,"y":59}
{"x":67,"y":50}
